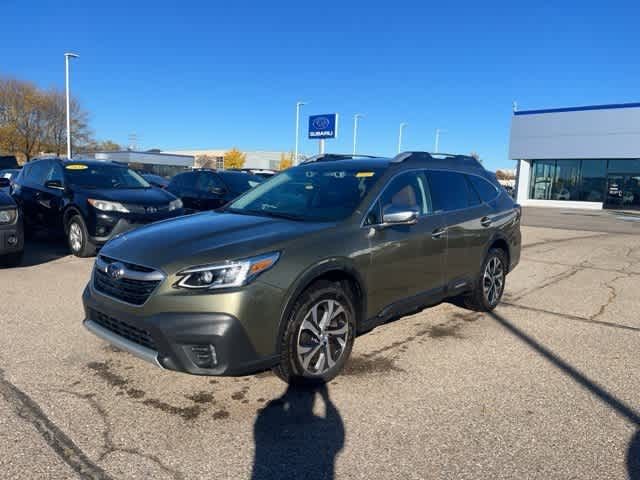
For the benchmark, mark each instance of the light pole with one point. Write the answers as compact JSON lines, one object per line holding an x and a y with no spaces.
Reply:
{"x":402,"y":126}
{"x":298,"y":105}
{"x":436,"y":144}
{"x":67,"y":56}
{"x":356,"y":117}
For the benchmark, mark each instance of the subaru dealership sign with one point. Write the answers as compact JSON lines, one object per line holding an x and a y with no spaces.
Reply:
{"x":323,"y":126}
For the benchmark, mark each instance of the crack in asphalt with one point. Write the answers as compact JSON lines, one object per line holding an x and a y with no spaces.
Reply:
{"x":548,"y":282}
{"x":613,"y":294}
{"x":109,"y":447}
{"x":27,"y":409}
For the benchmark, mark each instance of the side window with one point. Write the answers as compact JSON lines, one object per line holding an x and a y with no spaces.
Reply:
{"x":55,"y":173}
{"x":39,"y":171}
{"x":207,"y":181}
{"x":486,"y":190}
{"x":449,"y":191}
{"x":187,"y":181}
{"x":26,"y":172}
{"x":408,"y":191}
{"x":474,"y":198}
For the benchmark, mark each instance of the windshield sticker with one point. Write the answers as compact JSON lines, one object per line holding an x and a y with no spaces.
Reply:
{"x":76,"y":167}
{"x":364,"y":174}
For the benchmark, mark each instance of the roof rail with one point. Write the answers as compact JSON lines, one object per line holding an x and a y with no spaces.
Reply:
{"x":324,"y":157}
{"x":426,"y":156}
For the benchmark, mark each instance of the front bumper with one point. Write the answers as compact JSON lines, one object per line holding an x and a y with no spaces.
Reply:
{"x":104,"y":226}
{"x":167,"y":339}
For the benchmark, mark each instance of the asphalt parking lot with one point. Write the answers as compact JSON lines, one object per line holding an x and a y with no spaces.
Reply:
{"x":546,"y":387}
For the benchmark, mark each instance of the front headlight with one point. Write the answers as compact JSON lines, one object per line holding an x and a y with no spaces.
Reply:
{"x":107,"y":206}
{"x":175,"y":205}
{"x":226,"y":275}
{"x":8,"y":216}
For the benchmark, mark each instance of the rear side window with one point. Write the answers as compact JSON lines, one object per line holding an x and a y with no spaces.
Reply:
{"x":486,"y":190}
{"x":449,"y":191}
{"x":208,"y":181}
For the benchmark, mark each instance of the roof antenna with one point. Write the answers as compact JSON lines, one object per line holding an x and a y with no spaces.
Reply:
{"x":515,"y":106}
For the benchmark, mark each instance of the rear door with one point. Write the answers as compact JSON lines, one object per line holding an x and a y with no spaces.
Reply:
{"x":184,"y":186}
{"x":462,"y":210}
{"x":406,"y":260}
{"x":30,"y":191}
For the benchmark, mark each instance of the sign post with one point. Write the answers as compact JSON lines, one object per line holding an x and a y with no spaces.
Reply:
{"x":322,"y":127}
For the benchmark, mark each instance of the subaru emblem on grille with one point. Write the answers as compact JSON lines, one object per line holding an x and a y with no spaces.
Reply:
{"x":115,"y":270}
{"x":151,"y":209}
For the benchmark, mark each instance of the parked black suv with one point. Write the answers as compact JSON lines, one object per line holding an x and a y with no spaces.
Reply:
{"x":11,"y":233}
{"x":289,"y":273}
{"x":210,"y":189}
{"x":90,"y":201}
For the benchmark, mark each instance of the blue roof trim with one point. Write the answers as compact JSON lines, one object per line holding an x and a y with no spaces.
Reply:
{"x":579,"y":109}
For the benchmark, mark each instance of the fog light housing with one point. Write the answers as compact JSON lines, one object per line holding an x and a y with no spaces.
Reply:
{"x":12,"y":240}
{"x":204,"y":356}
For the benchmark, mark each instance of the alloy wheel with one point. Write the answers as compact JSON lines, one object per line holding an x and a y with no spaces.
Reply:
{"x":75,"y":237}
{"x":323,"y":336}
{"x":493,"y":280}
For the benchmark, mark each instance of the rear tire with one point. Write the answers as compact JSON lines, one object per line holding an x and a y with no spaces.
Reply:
{"x":319,"y":335}
{"x":78,"y":238}
{"x":489,"y":285}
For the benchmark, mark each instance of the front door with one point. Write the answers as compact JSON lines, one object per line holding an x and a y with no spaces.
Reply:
{"x":623,"y":192}
{"x":406,"y":260}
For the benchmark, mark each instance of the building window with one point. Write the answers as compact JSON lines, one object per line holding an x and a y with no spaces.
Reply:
{"x":219,"y":163}
{"x":631,"y":166}
{"x":575,"y":180}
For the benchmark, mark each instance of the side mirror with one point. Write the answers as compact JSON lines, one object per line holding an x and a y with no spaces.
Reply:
{"x":55,"y":184}
{"x":218,"y":191}
{"x":4,"y":182}
{"x":399,"y":216}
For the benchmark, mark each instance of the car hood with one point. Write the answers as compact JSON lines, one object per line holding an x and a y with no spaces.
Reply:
{"x":6,"y":200}
{"x":137,"y":196}
{"x":203,"y":238}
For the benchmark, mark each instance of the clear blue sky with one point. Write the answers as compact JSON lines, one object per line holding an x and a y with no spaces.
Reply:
{"x":216,"y":74}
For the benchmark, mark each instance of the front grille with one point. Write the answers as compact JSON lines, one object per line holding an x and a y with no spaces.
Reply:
{"x":126,"y":288}
{"x":123,"y":329}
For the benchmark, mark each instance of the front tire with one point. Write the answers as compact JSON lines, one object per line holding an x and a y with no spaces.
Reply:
{"x":78,"y":238}
{"x":319,"y":335}
{"x":489,"y":286}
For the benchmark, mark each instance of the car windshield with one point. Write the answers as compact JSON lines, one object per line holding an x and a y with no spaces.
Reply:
{"x":240,"y":182}
{"x":103,"y":176}
{"x":311,"y":193}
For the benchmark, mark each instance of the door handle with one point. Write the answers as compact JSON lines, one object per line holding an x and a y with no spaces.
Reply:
{"x":438,"y":233}
{"x":486,"y":221}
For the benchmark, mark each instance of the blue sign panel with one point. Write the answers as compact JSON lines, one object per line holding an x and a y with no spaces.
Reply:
{"x":323,"y":126}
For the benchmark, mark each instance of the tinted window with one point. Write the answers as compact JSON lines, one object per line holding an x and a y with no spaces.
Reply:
{"x":240,"y":182}
{"x":39,"y":171}
{"x":408,"y":191}
{"x":55,"y":173}
{"x":474,"y":198}
{"x":185,"y":181}
{"x":448,"y":191}
{"x":321,"y":191}
{"x":207,"y":181}
{"x":486,"y":190}
{"x":103,"y":176}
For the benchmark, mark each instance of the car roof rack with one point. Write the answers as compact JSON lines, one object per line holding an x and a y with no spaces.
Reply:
{"x":326,"y":157}
{"x":459,"y":159}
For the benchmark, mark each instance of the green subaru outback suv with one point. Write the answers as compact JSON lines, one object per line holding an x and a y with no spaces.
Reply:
{"x":287,"y":275}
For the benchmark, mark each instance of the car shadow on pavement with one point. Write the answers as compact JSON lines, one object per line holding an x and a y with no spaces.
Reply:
{"x":291,"y":441}
{"x":621,"y":408}
{"x":42,"y":249}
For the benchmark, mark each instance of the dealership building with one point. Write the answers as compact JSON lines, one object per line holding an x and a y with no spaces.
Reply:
{"x":578,"y":157}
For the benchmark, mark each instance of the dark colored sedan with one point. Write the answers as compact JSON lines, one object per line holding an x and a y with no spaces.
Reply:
{"x":156,"y":180}
{"x":11,"y":231}
{"x":211,"y":189}
{"x":90,"y":201}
